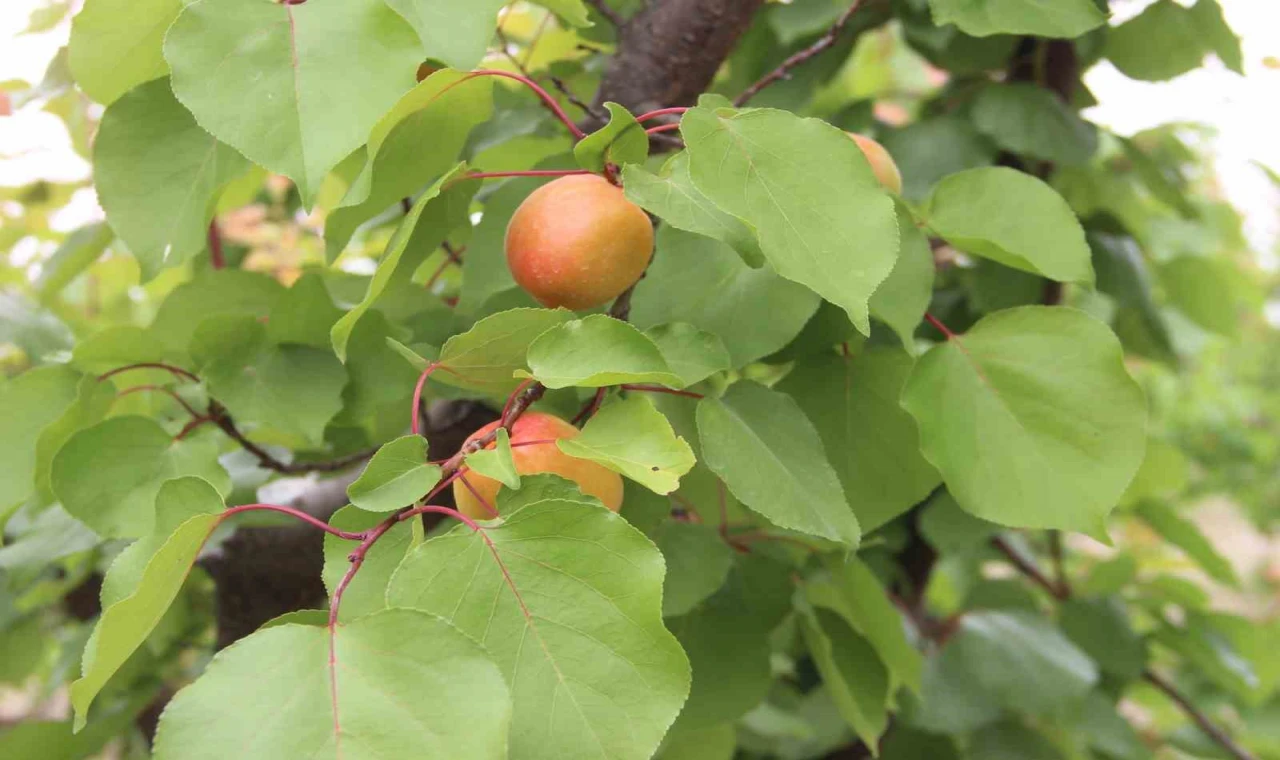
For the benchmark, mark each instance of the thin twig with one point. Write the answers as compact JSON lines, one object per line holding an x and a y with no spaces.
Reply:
{"x":1208,"y":726}
{"x":299,"y":514}
{"x":216,"y":258}
{"x":1059,"y":562}
{"x":176,"y":371}
{"x":1062,"y":592}
{"x":1028,"y":568}
{"x":171,"y":393}
{"x":611,"y":15}
{"x":590,"y":408}
{"x":547,"y":100}
{"x":784,"y":69}
{"x":219,"y":416}
{"x":659,"y":389}
{"x":577,"y":101}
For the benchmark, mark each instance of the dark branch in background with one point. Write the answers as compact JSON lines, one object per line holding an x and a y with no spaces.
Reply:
{"x":784,"y":69}
{"x":669,"y":52}
{"x":216,"y":258}
{"x":1029,"y":569}
{"x":219,"y":416}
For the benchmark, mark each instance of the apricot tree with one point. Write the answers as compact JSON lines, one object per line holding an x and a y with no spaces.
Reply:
{"x":567,"y":379}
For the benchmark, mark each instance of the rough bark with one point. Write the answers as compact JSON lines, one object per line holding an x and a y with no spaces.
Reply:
{"x":669,"y":52}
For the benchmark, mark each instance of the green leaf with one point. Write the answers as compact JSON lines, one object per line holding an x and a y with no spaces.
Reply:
{"x":1123,"y":275}
{"x":1207,"y":15}
{"x":1164,"y":473}
{"x":440,"y":111}
{"x":263,"y":77}
{"x":620,"y":142}
{"x":108,"y":475}
{"x":1031,"y":121}
{"x":289,"y":388}
{"x":486,"y":357}
{"x":703,"y":282}
{"x":453,"y":32}
{"x":397,"y":683}
{"x":367,"y":592}
{"x":632,"y":438}
{"x":950,"y":529}
{"x":1022,"y":661}
{"x":597,"y":351}
{"x":698,"y":562}
{"x":566,"y":597}
{"x":211,"y":293}
{"x":1031,"y":418}
{"x":158,"y":176}
{"x":116,"y":45}
{"x":93,"y":401}
{"x":30,"y":403}
{"x":144,"y":581}
{"x":1008,"y":740}
{"x":770,"y":457}
{"x":48,"y":536}
{"x":950,"y":702}
{"x":714,"y":743}
{"x":1101,"y":628}
{"x":864,"y":604}
{"x":1059,"y":18}
{"x":74,"y":255}
{"x":1186,"y":535}
{"x":303,"y":314}
{"x":672,"y":196}
{"x":1206,"y":290}
{"x":436,"y":212}
{"x":727,"y":640}
{"x":928,"y":150}
{"x":691,"y":353}
{"x":901,"y":300}
{"x":1012,"y":218}
{"x":1162,"y":42}
{"x":572,"y":12}
{"x":496,"y":462}
{"x":870,"y":440}
{"x":852,"y":674}
{"x":396,"y":476}
{"x":821,"y":217}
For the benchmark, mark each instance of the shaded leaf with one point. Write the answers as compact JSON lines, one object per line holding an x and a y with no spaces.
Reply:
{"x":1060,"y":18}
{"x":698,"y":562}
{"x":486,"y":357}
{"x":619,"y":142}
{"x":759,"y":442}
{"x":596,"y":351}
{"x":367,"y":592}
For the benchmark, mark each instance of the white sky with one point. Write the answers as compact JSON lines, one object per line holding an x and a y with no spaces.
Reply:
{"x":1243,"y":110}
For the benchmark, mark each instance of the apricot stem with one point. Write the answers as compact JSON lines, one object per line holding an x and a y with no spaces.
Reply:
{"x":542,"y":93}
{"x":661,"y":112}
{"x":661,"y":129}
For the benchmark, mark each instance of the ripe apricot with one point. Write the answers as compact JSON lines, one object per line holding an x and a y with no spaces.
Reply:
{"x":578,"y":242}
{"x":594,"y":480}
{"x":881,"y":162}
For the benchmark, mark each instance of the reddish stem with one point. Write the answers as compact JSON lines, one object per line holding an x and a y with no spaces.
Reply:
{"x":589,"y":410}
{"x":528,"y":173}
{"x":415,"y":424}
{"x":661,"y":112}
{"x":546,"y":97}
{"x":216,"y":258}
{"x":177,"y":371}
{"x":938,"y":324}
{"x":303,"y":516}
{"x":161,"y":389}
{"x":660,"y":389}
{"x":191,"y":427}
{"x":541,"y":442}
{"x":662,"y":128}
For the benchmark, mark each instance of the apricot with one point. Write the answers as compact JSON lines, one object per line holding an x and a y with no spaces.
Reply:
{"x":593,"y":479}
{"x":881,"y":162}
{"x":578,"y":242}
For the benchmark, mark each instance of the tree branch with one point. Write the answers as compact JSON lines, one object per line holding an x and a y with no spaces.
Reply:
{"x":669,"y":52}
{"x":1029,"y":569}
{"x":219,"y":416}
{"x":825,"y":41}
